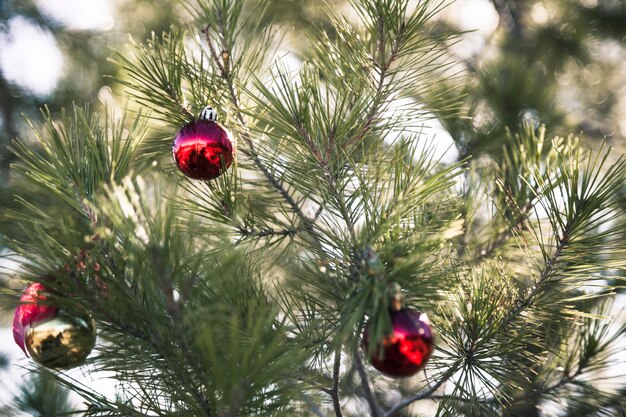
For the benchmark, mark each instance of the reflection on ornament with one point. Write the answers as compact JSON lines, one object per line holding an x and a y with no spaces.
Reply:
{"x":407,"y":348}
{"x":61,"y":342}
{"x":203,"y":148}
{"x":32,"y":308}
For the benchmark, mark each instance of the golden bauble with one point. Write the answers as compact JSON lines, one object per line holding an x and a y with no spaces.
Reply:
{"x":61,"y":342}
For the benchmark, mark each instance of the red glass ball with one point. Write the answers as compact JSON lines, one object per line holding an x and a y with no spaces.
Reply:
{"x":30,"y":310}
{"x":200,"y":149}
{"x":407,"y":349}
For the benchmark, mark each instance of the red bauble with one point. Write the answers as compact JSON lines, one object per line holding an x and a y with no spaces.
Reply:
{"x":407,"y":349}
{"x":30,"y":310}
{"x":49,"y":335}
{"x":200,"y":149}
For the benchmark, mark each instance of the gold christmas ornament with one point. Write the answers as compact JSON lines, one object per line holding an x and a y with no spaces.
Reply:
{"x":61,"y":342}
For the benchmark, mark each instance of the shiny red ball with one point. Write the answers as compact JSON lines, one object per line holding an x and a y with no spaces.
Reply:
{"x":200,"y":149}
{"x":407,"y":349}
{"x":31,"y":310}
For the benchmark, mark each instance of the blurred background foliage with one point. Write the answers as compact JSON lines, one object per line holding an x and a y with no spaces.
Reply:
{"x":559,"y":61}
{"x":85,"y":49}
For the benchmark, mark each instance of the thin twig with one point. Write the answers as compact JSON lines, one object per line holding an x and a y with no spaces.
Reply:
{"x":334,"y":393}
{"x":565,"y":379}
{"x":419,"y":396}
{"x":174,"y":97}
{"x":513,"y":228}
{"x":384,"y":66}
{"x":365,"y":383}
{"x":426,"y":395}
{"x":547,"y":272}
{"x":267,"y":232}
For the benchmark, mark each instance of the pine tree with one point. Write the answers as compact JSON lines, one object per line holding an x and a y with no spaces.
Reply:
{"x":249,"y":294}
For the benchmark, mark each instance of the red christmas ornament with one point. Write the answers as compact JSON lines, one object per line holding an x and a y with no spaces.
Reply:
{"x":51,"y":336}
{"x":407,"y":348}
{"x":203,"y":147}
{"x":30,"y":311}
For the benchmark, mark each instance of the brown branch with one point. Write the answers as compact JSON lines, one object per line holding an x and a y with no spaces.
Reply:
{"x":334,"y":392}
{"x":236,"y":401}
{"x":247,"y":232}
{"x":267,"y":232}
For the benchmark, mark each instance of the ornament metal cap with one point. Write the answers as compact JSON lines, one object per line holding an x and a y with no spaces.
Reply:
{"x":396,"y":299}
{"x":209,"y":114}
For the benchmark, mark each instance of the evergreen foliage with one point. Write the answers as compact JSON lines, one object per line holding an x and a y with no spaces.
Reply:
{"x":85,"y":53}
{"x":248,"y":295}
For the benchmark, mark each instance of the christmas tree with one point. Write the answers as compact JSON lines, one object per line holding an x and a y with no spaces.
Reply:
{"x":305,"y":251}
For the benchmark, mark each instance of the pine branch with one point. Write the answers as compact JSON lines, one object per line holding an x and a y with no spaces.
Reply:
{"x":323,"y":163}
{"x":183,"y":374}
{"x":425,"y":395}
{"x":548,"y":272}
{"x":383,"y":66}
{"x":182,"y":340}
{"x":517,"y":191}
{"x":158,"y":75}
{"x":565,"y":379}
{"x":130,"y":224}
{"x":596,"y":345}
{"x":584,"y":187}
{"x":222,"y":349}
{"x":42,"y":395}
{"x":512,"y":229}
{"x":223,"y":65}
{"x":591,"y":351}
{"x":81,"y":153}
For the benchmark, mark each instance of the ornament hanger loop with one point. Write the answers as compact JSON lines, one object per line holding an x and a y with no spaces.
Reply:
{"x":209,"y":114}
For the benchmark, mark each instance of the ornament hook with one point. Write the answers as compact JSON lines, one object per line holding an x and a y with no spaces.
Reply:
{"x":396,"y":298}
